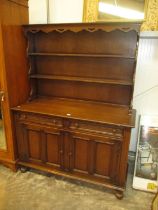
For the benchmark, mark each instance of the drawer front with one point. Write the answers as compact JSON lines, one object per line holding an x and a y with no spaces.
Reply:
{"x":97,"y":128}
{"x":71,"y":125}
{"x":40,"y":119}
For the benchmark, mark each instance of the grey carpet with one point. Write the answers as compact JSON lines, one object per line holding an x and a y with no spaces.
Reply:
{"x":34,"y":191}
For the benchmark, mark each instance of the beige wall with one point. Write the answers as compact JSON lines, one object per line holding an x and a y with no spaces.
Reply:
{"x":37,"y":11}
{"x":146,"y":81}
{"x":65,"y":11}
{"x":60,"y":11}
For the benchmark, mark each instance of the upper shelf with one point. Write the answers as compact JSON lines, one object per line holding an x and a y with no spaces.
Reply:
{"x":81,"y":55}
{"x":82,"y":79}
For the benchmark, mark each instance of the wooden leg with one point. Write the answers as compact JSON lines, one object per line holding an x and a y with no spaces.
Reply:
{"x":119,"y":194}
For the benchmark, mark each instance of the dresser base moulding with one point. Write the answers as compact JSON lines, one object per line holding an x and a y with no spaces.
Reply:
{"x":118,"y":191}
{"x":10,"y":164}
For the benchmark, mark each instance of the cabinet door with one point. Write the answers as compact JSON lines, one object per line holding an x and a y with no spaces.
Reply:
{"x":96,"y":156}
{"x":54,"y":152}
{"x":39,"y":144}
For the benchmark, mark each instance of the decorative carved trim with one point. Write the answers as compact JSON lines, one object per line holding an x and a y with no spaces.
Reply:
{"x":90,"y":14}
{"x":90,"y":27}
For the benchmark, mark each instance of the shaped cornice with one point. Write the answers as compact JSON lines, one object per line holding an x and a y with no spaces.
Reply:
{"x":90,"y":27}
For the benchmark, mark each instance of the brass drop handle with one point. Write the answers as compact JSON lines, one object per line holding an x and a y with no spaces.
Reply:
{"x":54,"y":121}
{"x":2,"y":95}
{"x":76,"y":125}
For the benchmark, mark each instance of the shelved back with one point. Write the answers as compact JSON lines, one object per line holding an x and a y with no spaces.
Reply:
{"x":83,"y":61}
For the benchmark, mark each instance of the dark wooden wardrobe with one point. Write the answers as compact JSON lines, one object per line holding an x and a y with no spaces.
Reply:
{"x":78,"y":117}
{"x":13,"y":69}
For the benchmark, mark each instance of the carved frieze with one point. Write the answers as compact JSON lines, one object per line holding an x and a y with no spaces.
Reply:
{"x":61,"y":28}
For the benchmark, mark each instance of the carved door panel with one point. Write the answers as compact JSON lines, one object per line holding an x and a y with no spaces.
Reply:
{"x":80,"y":150}
{"x":67,"y":152}
{"x":54,"y":150}
{"x":106,"y":161}
{"x":22,"y":141}
{"x":39,"y":144}
{"x":94,"y":155}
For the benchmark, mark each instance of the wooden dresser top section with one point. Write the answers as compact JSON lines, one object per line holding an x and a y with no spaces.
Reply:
{"x":80,"y":110}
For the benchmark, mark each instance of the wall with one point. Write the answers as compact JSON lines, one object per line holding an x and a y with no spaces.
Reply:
{"x":65,"y":11}
{"x":60,"y":11}
{"x":146,"y":80}
{"x":37,"y":11}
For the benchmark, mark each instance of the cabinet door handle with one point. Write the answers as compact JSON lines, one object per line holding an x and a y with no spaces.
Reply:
{"x":61,"y":151}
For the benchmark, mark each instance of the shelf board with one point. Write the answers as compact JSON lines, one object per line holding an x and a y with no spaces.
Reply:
{"x":82,"y":79}
{"x":81,"y":55}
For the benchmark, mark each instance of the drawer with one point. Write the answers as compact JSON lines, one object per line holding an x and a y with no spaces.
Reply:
{"x":97,"y":128}
{"x":39,"y":119}
{"x":72,"y":125}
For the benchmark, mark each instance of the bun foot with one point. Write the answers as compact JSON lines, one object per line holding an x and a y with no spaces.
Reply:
{"x":119,"y":195}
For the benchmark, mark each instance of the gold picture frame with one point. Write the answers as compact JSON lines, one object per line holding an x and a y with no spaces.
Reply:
{"x":150,"y":23}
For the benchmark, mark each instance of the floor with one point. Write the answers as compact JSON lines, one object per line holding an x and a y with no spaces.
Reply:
{"x":36,"y":191}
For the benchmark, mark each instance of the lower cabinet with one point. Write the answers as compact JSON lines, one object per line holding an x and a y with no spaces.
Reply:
{"x":96,"y":156}
{"x":80,"y":153}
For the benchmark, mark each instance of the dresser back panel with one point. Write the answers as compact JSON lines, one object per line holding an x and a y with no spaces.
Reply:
{"x":99,"y":42}
{"x":115,"y":94}
{"x":105,"y":68}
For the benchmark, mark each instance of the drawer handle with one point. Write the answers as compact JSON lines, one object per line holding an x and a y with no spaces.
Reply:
{"x":76,"y":125}
{"x":116,"y":130}
{"x":54,"y":121}
{"x":22,"y":116}
{"x":109,"y":143}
